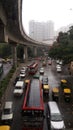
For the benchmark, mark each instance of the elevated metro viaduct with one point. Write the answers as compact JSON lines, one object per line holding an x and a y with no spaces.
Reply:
{"x":11,"y":29}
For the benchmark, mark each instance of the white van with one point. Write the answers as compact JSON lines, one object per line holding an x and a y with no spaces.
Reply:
{"x":18,"y":90}
{"x":7,"y":113}
{"x":55,"y":120}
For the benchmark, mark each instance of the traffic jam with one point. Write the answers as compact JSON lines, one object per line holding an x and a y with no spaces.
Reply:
{"x":37,"y":102}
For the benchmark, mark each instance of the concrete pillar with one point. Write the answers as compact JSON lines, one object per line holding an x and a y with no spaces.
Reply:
{"x":35,"y":51}
{"x":25,"y":56}
{"x":5,"y":34}
{"x":14,"y":54}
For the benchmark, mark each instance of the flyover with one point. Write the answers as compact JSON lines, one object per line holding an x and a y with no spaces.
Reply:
{"x":11,"y":29}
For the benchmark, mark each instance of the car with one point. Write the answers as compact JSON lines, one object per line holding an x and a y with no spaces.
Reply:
{"x":59,"y":69}
{"x":18,"y":78}
{"x":4,"y":127}
{"x":41,"y":70}
{"x":36,"y":76}
{"x":60,"y":62}
{"x":19,"y":87}
{"x":57,"y":61}
{"x":24,"y":69}
{"x":44,"y":80}
{"x":58,"y":66}
{"x":7,"y":113}
{"x":22,"y":74}
{"x":54,"y":117}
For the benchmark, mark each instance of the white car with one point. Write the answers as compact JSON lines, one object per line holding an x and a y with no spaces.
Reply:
{"x":58,"y":66}
{"x":24,"y":69}
{"x":60,"y":62}
{"x":18,"y":90}
{"x":59,"y":69}
{"x":7,"y":113}
{"x":22,"y":74}
{"x":41,"y":70}
{"x":57,"y":61}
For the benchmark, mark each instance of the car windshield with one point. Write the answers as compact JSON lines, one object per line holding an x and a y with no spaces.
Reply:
{"x":56,"y":117}
{"x":6,"y":111}
{"x":18,"y":87}
{"x":45,"y":80}
{"x":23,"y":72}
{"x":42,"y":69}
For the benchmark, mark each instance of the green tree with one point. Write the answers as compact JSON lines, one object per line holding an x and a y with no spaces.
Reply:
{"x":70,"y":32}
{"x":63,"y":38}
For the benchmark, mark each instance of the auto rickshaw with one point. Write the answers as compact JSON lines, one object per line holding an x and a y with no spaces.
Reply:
{"x":55,"y":93}
{"x":46,"y":89}
{"x":63,"y":83}
{"x":67,"y":94}
{"x":27,"y":81}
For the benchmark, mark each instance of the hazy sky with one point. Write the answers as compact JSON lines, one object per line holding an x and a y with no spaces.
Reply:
{"x":59,"y":11}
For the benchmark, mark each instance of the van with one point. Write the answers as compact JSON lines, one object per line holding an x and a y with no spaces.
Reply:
{"x":4,"y":127}
{"x":7,"y":113}
{"x":54,"y":117}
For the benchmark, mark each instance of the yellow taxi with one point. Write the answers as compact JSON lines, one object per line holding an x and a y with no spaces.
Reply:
{"x":46,"y":89}
{"x":55,"y":93}
{"x":67,"y":94}
{"x":64,"y":83}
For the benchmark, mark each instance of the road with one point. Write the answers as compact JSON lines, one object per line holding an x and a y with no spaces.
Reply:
{"x":54,"y":81}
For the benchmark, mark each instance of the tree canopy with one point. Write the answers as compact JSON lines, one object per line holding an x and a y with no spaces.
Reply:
{"x":63,"y":47}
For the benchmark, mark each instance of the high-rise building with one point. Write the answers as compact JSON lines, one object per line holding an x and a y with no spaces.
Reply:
{"x":41,"y":31}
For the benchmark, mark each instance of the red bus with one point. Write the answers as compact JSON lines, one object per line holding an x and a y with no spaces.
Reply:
{"x":33,"y":68}
{"x":33,"y":107}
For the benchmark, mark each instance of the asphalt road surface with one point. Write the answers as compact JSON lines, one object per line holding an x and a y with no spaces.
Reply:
{"x":54,"y":81}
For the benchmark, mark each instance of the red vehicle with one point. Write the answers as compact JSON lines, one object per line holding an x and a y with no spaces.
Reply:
{"x":33,"y":107}
{"x":33,"y":68}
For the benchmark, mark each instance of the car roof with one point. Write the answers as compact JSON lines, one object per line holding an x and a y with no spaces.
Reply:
{"x":19,"y":83}
{"x":53,"y":107}
{"x":46,"y":86}
{"x":55,"y":89}
{"x":4,"y":127}
{"x":8,"y":104}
